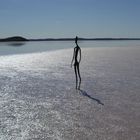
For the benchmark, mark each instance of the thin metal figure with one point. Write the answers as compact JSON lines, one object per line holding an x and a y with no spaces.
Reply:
{"x":76,"y":55}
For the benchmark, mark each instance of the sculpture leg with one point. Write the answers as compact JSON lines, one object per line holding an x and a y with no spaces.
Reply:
{"x":79,"y":76}
{"x":76,"y":75}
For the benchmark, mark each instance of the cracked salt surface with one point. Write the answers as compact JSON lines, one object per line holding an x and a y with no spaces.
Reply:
{"x":38,"y":99}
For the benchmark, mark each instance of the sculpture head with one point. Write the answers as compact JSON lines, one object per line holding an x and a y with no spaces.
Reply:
{"x":76,"y":39}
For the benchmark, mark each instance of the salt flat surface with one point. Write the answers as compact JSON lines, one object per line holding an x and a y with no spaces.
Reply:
{"x":38,"y":100}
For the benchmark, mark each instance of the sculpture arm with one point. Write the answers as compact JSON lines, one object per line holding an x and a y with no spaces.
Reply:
{"x":73,"y":57}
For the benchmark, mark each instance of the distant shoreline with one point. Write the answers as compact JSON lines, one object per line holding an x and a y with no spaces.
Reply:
{"x":19,"y":38}
{"x":84,"y":39}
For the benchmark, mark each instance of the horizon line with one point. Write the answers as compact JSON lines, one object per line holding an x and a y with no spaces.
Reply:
{"x":20,"y":38}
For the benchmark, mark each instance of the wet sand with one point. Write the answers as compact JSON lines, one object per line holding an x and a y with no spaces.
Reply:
{"x":38,"y":99}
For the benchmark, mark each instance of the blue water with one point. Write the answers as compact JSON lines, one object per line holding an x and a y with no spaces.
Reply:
{"x":31,"y":47}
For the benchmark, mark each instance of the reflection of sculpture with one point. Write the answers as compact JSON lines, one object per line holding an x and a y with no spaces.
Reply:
{"x":76,"y":53}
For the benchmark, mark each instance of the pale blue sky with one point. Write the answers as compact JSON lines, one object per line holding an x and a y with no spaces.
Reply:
{"x":68,"y":18}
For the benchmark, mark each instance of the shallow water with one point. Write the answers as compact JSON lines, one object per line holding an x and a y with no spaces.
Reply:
{"x":43,"y":46}
{"x":38,"y":99}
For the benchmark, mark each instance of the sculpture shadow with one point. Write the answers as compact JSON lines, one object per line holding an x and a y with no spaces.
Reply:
{"x":84,"y":93}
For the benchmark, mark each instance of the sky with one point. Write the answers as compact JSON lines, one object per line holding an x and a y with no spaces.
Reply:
{"x":68,"y":18}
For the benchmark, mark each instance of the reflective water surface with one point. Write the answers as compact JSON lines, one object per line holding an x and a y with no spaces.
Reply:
{"x":38,"y":100}
{"x":30,"y":47}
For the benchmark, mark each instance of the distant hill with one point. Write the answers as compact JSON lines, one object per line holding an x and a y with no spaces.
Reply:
{"x":14,"y":38}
